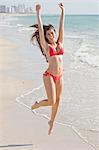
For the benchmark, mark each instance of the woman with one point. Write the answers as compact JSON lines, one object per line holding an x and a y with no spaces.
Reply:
{"x":53,"y":52}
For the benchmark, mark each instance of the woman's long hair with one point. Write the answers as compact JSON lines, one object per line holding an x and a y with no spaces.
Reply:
{"x":35,"y":35}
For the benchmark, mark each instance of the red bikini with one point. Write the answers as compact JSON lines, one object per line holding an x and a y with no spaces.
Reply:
{"x":53,"y":52}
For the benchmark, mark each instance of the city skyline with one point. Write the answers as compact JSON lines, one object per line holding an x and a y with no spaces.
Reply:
{"x":72,"y":6}
{"x":19,"y":8}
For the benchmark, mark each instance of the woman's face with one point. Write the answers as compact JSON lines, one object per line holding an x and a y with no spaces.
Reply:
{"x":51,"y":36}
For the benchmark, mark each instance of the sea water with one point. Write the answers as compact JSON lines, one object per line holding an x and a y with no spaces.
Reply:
{"x":79,"y":106}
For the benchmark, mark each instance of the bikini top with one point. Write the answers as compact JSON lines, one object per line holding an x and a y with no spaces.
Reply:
{"x":54,"y":52}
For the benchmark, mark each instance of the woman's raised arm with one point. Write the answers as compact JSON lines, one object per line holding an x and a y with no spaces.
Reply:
{"x":61,"y":28}
{"x":40,"y":27}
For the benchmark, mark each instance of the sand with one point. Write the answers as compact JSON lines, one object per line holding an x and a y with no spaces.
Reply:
{"x":18,"y":125}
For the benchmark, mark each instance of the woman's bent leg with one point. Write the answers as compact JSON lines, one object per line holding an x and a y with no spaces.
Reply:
{"x":50,"y":91}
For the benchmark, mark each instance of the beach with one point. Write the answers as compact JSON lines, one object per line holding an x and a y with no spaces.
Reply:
{"x":18,"y":125}
{"x":21,"y":69}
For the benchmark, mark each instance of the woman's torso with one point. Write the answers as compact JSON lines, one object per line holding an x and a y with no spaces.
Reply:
{"x":55,"y":60}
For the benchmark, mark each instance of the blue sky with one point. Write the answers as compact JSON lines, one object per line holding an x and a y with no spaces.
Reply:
{"x":51,"y":7}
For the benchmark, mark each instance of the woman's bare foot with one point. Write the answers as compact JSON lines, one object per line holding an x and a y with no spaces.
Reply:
{"x":35,"y":105}
{"x":50,"y":127}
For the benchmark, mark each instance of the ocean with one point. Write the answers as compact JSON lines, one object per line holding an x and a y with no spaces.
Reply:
{"x":79,"y":108}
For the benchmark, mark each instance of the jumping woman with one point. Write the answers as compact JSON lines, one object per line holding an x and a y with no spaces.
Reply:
{"x":53,"y":51}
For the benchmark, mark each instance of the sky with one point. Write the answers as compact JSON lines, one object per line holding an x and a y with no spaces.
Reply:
{"x":51,"y":6}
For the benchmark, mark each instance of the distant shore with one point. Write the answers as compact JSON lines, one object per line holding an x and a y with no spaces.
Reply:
{"x":34,"y":14}
{"x":17,"y":14}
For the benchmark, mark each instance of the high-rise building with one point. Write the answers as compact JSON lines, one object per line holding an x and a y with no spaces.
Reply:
{"x":2,"y":9}
{"x":21,"y":8}
{"x":13,"y":9}
{"x":8,"y":10}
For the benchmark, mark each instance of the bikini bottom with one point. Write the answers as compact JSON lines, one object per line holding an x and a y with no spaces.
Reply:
{"x":55,"y":78}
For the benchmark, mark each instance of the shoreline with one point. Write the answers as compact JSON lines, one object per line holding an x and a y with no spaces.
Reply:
{"x":16,"y":14}
{"x":34,"y":14}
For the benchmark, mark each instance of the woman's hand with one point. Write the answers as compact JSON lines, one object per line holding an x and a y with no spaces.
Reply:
{"x":38,"y":7}
{"x":61,"y":6}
